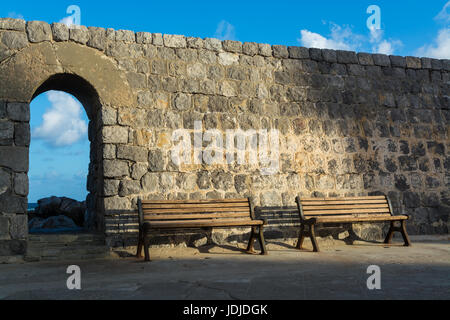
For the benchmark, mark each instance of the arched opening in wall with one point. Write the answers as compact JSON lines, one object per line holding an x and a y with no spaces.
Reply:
{"x":62,"y":162}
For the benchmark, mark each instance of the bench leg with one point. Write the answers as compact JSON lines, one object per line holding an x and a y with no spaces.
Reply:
{"x":405,"y":234}
{"x":146,"y":248}
{"x":251,"y":242}
{"x":301,"y":237}
{"x":262,"y":242}
{"x":139,"y":246}
{"x":401,"y":229}
{"x":390,"y":233}
{"x":312,"y":235}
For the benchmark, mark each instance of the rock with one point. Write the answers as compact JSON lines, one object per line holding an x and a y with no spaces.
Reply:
{"x":58,"y":222}
{"x":35,"y":223}
{"x":57,"y":206}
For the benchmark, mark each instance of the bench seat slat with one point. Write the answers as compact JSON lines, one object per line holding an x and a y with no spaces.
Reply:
{"x":329,"y":202}
{"x":204,"y":223}
{"x":345,"y":211}
{"x":197,"y":216}
{"x":346,"y":198}
{"x":194,"y":205}
{"x":345,"y":206}
{"x":188,"y":211}
{"x":243,"y":200}
{"x":367,"y":218}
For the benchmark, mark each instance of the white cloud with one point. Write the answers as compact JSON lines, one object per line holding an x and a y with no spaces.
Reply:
{"x":444,"y":14}
{"x":62,"y":124}
{"x":15,"y":15}
{"x":440,"y":47}
{"x":343,"y":38}
{"x":340,"y":39}
{"x":380,"y":45}
{"x":68,"y":21}
{"x":225,"y":31}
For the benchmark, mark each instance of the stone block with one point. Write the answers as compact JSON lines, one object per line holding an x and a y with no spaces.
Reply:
{"x":15,"y":40}
{"x":144,"y":37}
{"x":18,"y":227}
{"x":115,"y":168}
{"x":381,"y":60}
{"x":346,"y":57}
{"x":250,"y":48}
{"x":12,"y":24}
{"x":21,"y":184}
{"x":97,"y":38}
{"x":137,"y":154}
{"x":39,"y":31}
{"x":60,"y":32}
{"x":14,"y":158}
{"x":22,"y":134}
{"x":213,"y":44}
{"x":232,"y":46}
{"x":114,"y":134}
{"x":298,"y":52}
{"x":174,"y":41}
{"x":18,"y":111}
{"x":264,"y":49}
{"x":280,"y":51}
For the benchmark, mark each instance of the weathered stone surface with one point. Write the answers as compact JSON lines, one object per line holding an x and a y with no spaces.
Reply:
{"x":114,"y":134}
{"x":6,"y":133}
{"x":18,"y":111}
{"x":97,"y":38}
{"x":80,"y":34}
{"x":18,"y":227}
{"x":227,"y":59}
{"x":111,"y":187}
{"x":125,"y":35}
{"x":280,"y":51}
{"x":182,"y":101}
{"x":128,"y":187}
{"x":21,"y":184}
{"x":14,"y":158}
{"x":232,"y":46}
{"x":138,"y":154}
{"x":174,"y":41}
{"x":14,"y":40}
{"x":39,"y":31}
{"x":144,"y":37}
{"x":5,"y":181}
{"x":12,"y":24}
{"x":115,"y":168}
{"x":381,"y":60}
{"x":60,"y":32}
{"x":265,"y":49}
{"x":213,"y":44}
{"x":298,"y":52}
{"x":155,"y":160}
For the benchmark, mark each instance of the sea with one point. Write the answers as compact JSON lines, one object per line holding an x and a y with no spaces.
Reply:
{"x":32,"y":206}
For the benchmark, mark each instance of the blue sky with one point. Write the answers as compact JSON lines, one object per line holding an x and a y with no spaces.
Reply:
{"x":58,"y":163}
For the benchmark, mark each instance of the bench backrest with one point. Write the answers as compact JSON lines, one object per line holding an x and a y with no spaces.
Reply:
{"x":167,"y":210}
{"x":364,"y":205}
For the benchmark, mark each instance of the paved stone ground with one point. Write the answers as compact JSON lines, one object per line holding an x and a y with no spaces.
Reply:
{"x":338,"y":272}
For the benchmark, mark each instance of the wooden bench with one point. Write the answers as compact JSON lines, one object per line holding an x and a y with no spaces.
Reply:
{"x":314,"y":211}
{"x":176,"y":214}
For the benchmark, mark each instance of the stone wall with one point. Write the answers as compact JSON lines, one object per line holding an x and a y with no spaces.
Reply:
{"x":349,"y":123}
